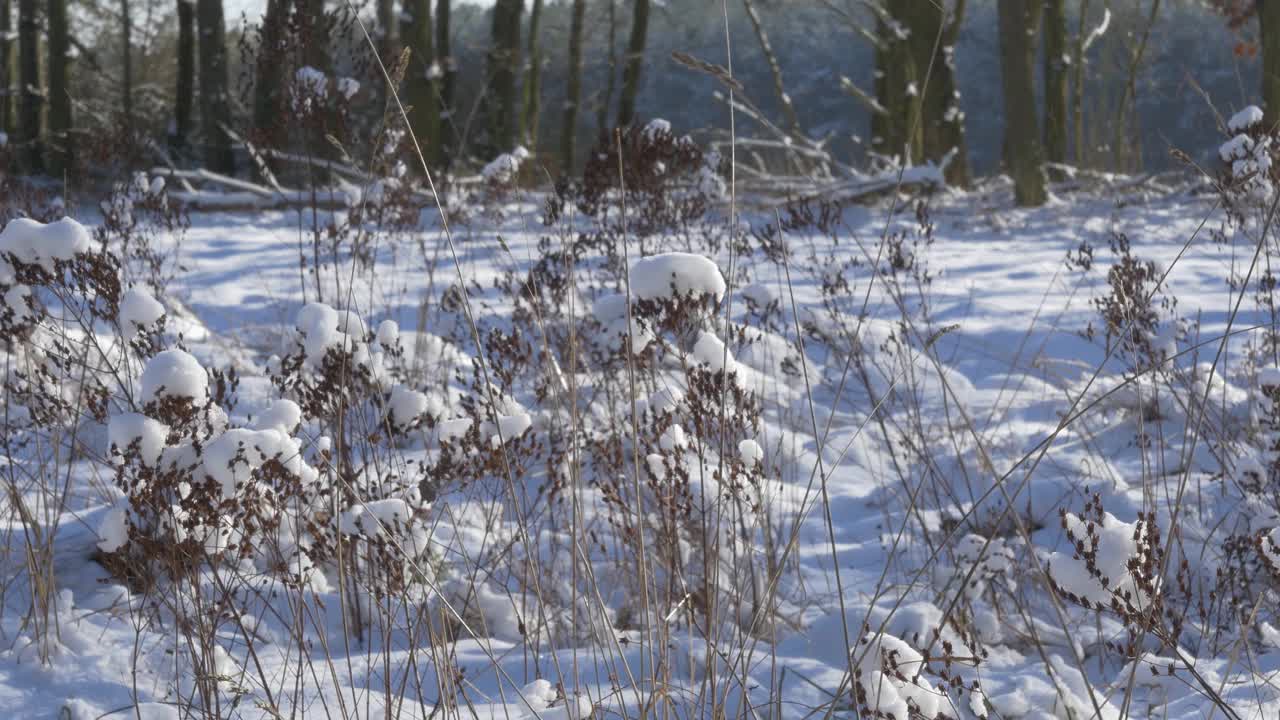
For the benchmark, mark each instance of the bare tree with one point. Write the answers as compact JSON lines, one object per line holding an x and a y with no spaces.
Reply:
{"x":533,"y":80}
{"x":126,"y":60}
{"x":1056,"y":81}
{"x":268,"y":73}
{"x":184,"y":93}
{"x":388,"y":42}
{"x":448,"y":78}
{"x":606,"y":98}
{"x":60,"y":157}
{"x":420,"y":91}
{"x":635,"y":61}
{"x":896,"y":131}
{"x":30,"y":99}
{"x":500,"y":102}
{"x":6,"y":68}
{"x":215,"y":107}
{"x":1024,"y":155}
{"x":573,"y":95}
{"x":1269,"y":31}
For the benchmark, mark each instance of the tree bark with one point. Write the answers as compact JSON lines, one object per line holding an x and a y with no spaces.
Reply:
{"x":268,"y":75}
{"x":126,"y":58}
{"x":30,"y":100}
{"x":898,"y":132}
{"x":1077,"y":100}
{"x":1056,"y":66}
{"x":184,"y":95}
{"x":388,"y":45}
{"x":6,"y":69}
{"x":573,"y":95}
{"x":933,"y":39}
{"x":635,"y":61}
{"x":214,"y":105}
{"x":533,"y":80}
{"x":448,"y":78}
{"x":500,"y":100}
{"x":1019,"y":21}
{"x":420,"y":92}
{"x":1269,"y":31}
{"x":60,"y":145}
{"x":606,"y":101}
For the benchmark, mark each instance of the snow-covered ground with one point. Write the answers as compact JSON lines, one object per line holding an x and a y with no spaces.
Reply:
{"x":880,"y":478}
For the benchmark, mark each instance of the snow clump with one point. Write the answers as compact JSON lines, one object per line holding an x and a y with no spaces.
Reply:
{"x":675,"y":275}
{"x":138,"y":310}
{"x":174,"y":373}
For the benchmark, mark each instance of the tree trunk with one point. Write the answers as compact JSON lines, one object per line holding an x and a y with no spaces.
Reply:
{"x":6,"y":69}
{"x":126,"y":58}
{"x":30,"y":100}
{"x":60,"y":156}
{"x":897,"y":133}
{"x":933,"y":38}
{"x":388,"y":45}
{"x":184,"y":95}
{"x":1077,"y":100}
{"x":214,"y":105}
{"x":504,"y":58}
{"x":533,"y":81}
{"x":779,"y":87}
{"x":268,"y":79}
{"x":573,"y":95}
{"x":1056,"y":65}
{"x":315,"y":33}
{"x":420,"y":92}
{"x":1019,"y":21}
{"x":448,"y":78}
{"x":635,"y":61}
{"x":1126,"y":159}
{"x":606,"y":102}
{"x":1269,"y":31}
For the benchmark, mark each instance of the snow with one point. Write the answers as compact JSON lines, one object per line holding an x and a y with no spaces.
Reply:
{"x":176,"y":374}
{"x":348,"y":87}
{"x":113,"y":531}
{"x":676,"y":275}
{"x":503,"y":169}
{"x":709,"y":350}
{"x":124,"y":430}
{"x":138,"y":311}
{"x":1015,"y":361}
{"x":1245,"y":119}
{"x":376,"y":517}
{"x":35,"y":243}
{"x":406,"y":406}
{"x":283,"y":416}
{"x":17,"y":299}
{"x":1115,"y":547}
{"x":388,"y":333}
{"x":310,"y":80}
{"x":233,"y":457}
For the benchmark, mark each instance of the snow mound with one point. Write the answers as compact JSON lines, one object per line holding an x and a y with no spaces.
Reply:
{"x":231,"y":459}
{"x":35,"y":243}
{"x":1245,"y":119}
{"x":174,"y":373}
{"x":283,"y":416}
{"x":890,"y":676}
{"x":406,"y":406}
{"x":138,"y":310}
{"x":675,"y":275}
{"x":150,"y":435}
{"x":1110,"y":546}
